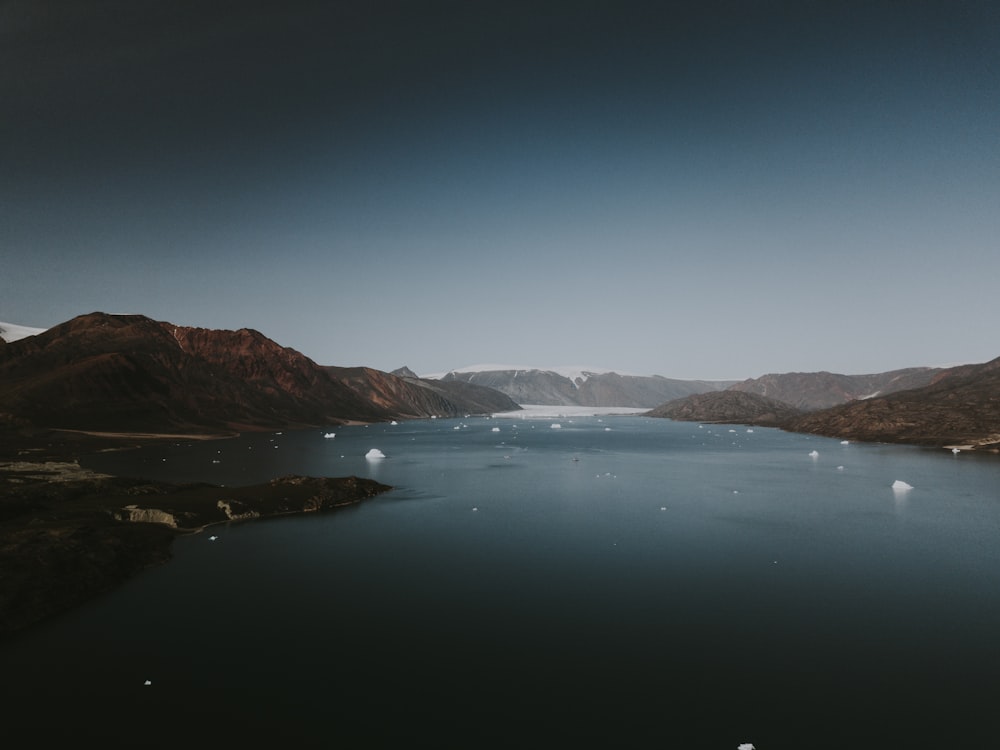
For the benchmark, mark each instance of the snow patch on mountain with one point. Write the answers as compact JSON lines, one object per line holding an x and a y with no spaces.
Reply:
{"x":11,"y":332}
{"x":576,"y":373}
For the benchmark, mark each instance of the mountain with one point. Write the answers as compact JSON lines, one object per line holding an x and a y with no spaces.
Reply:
{"x":727,"y":407}
{"x":582,"y":387}
{"x":116,"y":373}
{"x":821,"y":390}
{"x":413,"y":397}
{"x":960,"y":407}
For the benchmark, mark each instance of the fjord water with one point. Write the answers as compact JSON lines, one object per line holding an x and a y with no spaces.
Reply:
{"x":619,"y":580}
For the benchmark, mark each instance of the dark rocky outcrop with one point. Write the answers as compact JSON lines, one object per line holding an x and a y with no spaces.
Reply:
{"x":67,"y":535}
{"x":727,"y":407}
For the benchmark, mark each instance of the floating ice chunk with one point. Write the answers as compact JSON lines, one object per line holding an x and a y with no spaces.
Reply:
{"x":746,"y":745}
{"x":212,"y":538}
{"x":374,"y":453}
{"x":555,"y":426}
{"x":147,"y":683}
{"x":814,"y":454}
{"x":956,"y":450}
{"x":607,"y":429}
{"x":732,"y":430}
{"x":495,"y":429}
{"x":900,"y":486}
{"x":475,"y":509}
{"x":845,"y":442}
{"x":840,"y":468}
{"x":457,"y":427}
{"x":394,"y":422}
{"x":663,"y":507}
{"x":749,"y":430}
{"x":330,"y":435}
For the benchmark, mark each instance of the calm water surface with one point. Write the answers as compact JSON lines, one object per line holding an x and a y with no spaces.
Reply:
{"x":620,"y":581}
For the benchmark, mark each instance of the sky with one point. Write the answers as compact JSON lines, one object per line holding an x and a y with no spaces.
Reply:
{"x":705,"y":189}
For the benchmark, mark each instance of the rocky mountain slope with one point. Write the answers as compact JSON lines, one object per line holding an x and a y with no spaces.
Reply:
{"x":548,"y":387}
{"x":821,"y":390}
{"x":104,"y":372}
{"x":728,"y":407}
{"x":960,"y":407}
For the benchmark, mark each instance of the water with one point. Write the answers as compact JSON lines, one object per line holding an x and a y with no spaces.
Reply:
{"x":620,"y":581}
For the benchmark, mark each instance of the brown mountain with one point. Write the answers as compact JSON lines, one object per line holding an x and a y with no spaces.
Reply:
{"x":414,"y":397}
{"x":727,"y":407}
{"x":821,"y":390}
{"x":960,"y":407}
{"x":104,"y":372}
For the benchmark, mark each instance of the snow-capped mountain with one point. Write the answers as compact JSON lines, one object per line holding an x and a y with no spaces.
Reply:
{"x":580,"y":386}
{"x":11,"y":332}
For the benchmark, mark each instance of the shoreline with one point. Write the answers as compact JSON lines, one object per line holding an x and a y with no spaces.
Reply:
{"x":69,"y":534}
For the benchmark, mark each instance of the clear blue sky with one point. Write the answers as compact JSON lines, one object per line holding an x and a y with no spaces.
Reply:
{"x":701,"y":189}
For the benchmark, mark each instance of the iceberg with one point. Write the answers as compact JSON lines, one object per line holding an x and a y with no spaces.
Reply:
{"x":374,"y":453}
{"x":814,"y":454}
{"x":555,"y":426}
{"x":900,"y":486}
{"x":394,"y":422}
{"x":330,"y":435}
{"x":746,"y":745}
{"x":495,"y":429}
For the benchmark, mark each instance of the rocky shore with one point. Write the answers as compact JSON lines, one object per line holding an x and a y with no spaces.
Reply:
{"x":68,"y":534}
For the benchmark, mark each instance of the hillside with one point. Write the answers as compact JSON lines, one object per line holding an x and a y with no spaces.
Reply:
{"x":727,"y":407}
{"x":960,"y":407}
{"x":821,"y":390}
{"x":124,"y":373}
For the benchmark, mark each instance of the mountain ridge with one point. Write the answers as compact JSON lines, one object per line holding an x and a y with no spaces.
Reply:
{"x":128,"y":372}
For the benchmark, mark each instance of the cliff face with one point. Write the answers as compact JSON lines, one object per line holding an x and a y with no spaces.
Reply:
{"x":130,"y":373}
{"x":960,"y":407}
{"x":727,"y":407}
{"x":821,"y":390}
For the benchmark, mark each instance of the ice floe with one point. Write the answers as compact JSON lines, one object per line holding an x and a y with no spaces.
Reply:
{"x":330,"y":435}
{"x":746,"y":745}
{"x":495,"y":429}
{"x":814,"y":454}
{"x":374,"y":453}
{"x":900,"y":486}
{"x":555,"y":426}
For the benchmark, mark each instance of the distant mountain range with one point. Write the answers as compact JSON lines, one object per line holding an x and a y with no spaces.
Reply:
{"x":116,"y":373}
{"x":821,"y":390}
{"x":958,"y":406}
{"x":581,"y":387}
{"x":129,"y":373}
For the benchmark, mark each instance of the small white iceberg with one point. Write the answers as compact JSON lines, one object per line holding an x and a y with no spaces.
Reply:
{"x":374,"y":453}
{"x":495,"y":429}
{"x":746,"y":745}
{"x":900,"y":486}
{"x":394,"y":422}
{"x":814,"y":454}
{"x":845,"y":442}
{"x":956,"y":451}
{"x":555,"y":426}
{"x":330,"y":435}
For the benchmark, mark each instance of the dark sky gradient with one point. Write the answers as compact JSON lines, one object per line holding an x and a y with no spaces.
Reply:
{"x":704,"y":189}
